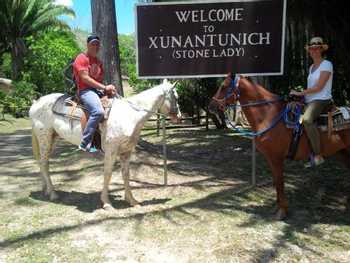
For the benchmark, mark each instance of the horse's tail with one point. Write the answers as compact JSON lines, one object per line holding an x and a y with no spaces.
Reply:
{"x":35,"y":147}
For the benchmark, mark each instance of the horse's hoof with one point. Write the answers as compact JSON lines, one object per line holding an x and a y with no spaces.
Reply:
{"x":53,"y":196}
{"x":108,"y":207}
{"x":281,"y":214}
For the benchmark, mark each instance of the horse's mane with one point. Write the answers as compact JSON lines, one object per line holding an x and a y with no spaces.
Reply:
{"x":147,"y":93}
{"x":259,"y":89}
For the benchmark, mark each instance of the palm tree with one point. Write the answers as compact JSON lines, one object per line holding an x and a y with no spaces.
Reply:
{"x":20,"y":19}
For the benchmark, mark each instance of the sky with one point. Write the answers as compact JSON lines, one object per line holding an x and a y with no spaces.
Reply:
{"x":82,"y":9}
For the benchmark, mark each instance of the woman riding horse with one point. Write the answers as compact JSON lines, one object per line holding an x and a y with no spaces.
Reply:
{"x":264,"y":112}
{"x":318,"y":95}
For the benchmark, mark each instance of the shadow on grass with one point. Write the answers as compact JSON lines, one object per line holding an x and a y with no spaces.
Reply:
{"x":90,"y":202}
{"x":228,"y":202}
{"x":320,"y":196}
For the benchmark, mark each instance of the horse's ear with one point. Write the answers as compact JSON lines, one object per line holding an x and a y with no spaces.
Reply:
{"x":165,"y":81}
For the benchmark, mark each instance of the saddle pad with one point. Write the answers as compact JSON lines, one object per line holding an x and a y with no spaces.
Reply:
{"x":65,"y":106}
{"x":346,"y":112}
{"x":340,"y":120}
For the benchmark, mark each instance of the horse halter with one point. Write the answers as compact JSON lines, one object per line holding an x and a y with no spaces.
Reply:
{"x":172,"y":96}
{"x":233,"y":87}
{"x":233,"y":90}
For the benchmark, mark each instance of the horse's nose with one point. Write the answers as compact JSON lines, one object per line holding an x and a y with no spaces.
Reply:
{"x":175,"y":118}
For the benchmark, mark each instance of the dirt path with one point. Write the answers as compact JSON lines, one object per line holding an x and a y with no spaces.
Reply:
{"x":207,"y":213}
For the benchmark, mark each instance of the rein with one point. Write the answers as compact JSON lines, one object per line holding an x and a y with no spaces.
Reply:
{"x":137,"y":107}
{"x":274,"y":122}
{"x":255,"y":103}
{"x":230,"y":92}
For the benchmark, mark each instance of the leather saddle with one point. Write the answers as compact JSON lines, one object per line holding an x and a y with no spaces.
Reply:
{"x":71,"y":108}
{"x":332,"y":119}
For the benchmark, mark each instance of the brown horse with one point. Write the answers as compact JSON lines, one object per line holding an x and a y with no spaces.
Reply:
{"x":262,"y":110}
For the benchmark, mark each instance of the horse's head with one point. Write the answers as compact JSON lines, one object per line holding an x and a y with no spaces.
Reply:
{"x":228,"y":93}
{"x":170,"y":105}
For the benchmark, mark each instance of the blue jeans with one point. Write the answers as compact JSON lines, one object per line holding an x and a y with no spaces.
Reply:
{"x":91,"y":101}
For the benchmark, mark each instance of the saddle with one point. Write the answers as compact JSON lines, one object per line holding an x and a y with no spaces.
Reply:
{"x":332,"y":119}
{"x":71,"y":108}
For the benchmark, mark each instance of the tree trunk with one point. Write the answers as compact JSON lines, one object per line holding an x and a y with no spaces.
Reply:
{"x":105,"y":26}
{"x":16,"y":60}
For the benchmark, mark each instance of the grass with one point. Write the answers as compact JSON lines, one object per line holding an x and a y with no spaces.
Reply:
{"x":207,"y":213}
{"x":9,"y":124}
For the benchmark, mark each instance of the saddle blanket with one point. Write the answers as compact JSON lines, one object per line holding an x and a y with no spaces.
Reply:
{"x":340,"y":120}
{"x":346,"y":112}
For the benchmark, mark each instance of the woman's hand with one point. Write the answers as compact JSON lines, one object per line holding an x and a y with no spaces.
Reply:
{"x":296,"y":93}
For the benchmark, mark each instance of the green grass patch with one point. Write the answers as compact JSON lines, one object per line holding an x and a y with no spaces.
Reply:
{"x":11,"y":124}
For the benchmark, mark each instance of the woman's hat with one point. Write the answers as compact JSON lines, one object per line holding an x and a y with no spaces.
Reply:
{"x":316,"y":42}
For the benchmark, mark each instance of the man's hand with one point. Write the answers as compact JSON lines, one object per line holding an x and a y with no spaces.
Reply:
{"x":296,"y":93}
{"x":110,"y":90}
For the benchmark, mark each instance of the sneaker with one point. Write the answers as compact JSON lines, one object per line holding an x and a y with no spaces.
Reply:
{"x":314,"y":162}
{"x":82,"y":148}
{"x":93,"y":150}
{"x":89,"y":150}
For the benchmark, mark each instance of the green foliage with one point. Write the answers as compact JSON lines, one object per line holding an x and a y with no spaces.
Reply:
{"x":139,"y":84}
{"x":2,"y":104}
{"x":48,"y":56}
{"x":22,"y":19}
{"x":5,"y":67}
{"x":17,"y":102}
{"x":128,"y":63}
{"x":127,"y":53}
{"x":196,"y":94}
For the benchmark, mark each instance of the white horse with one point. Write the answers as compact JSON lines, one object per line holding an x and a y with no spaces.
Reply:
{"x":119,"y":134}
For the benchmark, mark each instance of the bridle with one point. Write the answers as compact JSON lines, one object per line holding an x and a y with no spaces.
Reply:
{"x":233,"y":90}
{"x":174,"y":108}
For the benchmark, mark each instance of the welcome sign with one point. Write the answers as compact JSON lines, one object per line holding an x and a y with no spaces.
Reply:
{"x":209,"y":39}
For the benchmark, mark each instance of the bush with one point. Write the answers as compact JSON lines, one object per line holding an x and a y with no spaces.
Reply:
{"x":18,"y":101}
{"x":49,"y":55}
{"x":5,"y":68}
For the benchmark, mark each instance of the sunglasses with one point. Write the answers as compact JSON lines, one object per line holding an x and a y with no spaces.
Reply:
{"x":315,"y":43}
{"x":314,"y":47}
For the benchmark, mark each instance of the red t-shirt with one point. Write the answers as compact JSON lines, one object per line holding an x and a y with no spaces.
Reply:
{"x":92,"y":65}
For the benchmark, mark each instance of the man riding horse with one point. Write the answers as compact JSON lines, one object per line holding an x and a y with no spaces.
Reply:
{"x":88,"y":74}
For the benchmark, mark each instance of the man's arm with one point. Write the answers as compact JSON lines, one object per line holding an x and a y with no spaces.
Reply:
{"x":84,"y":76}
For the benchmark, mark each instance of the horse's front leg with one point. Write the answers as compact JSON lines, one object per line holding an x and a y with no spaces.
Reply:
{"x":277,"y":166}
{"x":109,"y":161}
{"x":124,"y":162}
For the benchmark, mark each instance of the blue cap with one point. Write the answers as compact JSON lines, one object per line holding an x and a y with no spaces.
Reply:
{"x":92,"y":38}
